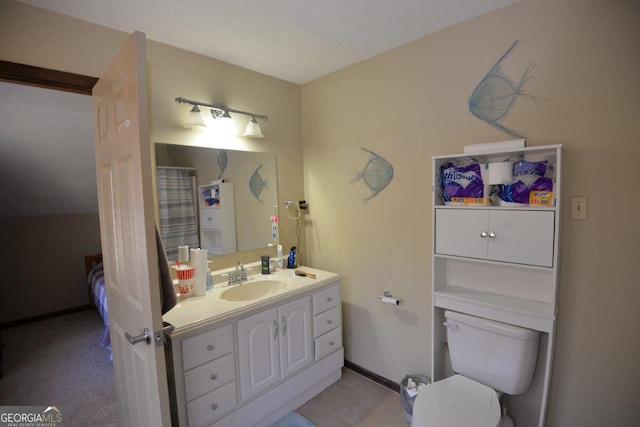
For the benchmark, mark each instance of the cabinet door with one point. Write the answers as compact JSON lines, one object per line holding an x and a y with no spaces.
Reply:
{"x":458,"y":232}
{"x":259,"y":363}
{"x":295,"y":337}
{"x":210,"y":219}
{"x":523,"y":237}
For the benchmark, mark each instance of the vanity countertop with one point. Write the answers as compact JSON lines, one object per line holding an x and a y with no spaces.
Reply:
{"x":195,"y":311}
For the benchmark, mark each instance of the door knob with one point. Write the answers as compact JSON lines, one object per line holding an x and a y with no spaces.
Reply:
{"x":144,"y":336}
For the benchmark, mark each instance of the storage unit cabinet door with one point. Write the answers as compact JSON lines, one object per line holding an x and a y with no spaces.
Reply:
{"x":459,"y":232}
{"x":522,"y":237}
{"x":210,"y":219}
{"x":259,"y":361}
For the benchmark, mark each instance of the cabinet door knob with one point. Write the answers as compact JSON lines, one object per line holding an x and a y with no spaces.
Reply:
{"x":213,"y":377}
{"x":329,"y":299}
{"x":329,"y":321}
{"x":214,"y":406}
{"x":210,"y":347}
{"x":330,"y":342}
{"x":492,"y":235}
{"x":483,"y":234}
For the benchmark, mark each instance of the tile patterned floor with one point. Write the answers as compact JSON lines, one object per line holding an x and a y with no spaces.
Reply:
{"x":355,"y":401}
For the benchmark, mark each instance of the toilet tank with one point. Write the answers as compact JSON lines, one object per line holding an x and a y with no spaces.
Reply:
{"x":496,"y":354}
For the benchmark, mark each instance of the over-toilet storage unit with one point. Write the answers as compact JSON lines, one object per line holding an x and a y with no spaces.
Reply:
{"x":499,"y":263}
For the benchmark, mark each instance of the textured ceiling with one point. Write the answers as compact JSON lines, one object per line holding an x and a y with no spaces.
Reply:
{"x":294,"y":40}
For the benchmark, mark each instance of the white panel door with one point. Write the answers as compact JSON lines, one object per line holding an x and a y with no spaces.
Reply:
{"x":127,"y":231}
{"x":259,"y":362}
{"x":296,"y":350}
{"x":523,"y":237}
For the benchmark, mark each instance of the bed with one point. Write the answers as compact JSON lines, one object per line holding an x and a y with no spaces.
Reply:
{"x":98,"y":293}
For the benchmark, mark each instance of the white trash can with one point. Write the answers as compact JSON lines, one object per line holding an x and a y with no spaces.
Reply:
{"x":409,"y":391}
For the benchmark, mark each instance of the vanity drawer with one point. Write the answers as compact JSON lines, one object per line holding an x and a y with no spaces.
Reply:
{"x":324,"y":322}
{"x":328,"y":343}
{"x":209,"y":376}
{"x":208,"y":346}
{"x":206,"y":409}
{"x":210,"y":219}
{"x":326,"y":299}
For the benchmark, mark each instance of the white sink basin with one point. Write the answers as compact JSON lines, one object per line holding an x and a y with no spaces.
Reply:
{"x":253,"y":289}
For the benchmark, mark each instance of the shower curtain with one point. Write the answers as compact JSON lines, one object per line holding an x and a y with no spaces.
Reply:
{"x":178,"y":223}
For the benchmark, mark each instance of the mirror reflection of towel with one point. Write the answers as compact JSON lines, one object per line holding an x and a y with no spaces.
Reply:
{"x":167,"y":293}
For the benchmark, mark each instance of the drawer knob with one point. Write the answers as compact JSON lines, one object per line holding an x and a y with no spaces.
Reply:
{"x":210,"y":347}
{"x":330,"y":342}
{"x":329,"y":321}
{"x":329,"y":299}
{"x":213,"y":377}
{"x":214,"y":406}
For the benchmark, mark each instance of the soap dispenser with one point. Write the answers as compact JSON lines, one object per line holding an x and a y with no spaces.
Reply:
{"x":291,"y":262}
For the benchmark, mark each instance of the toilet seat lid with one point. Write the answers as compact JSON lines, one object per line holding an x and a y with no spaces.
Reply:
{"x":456,"y":401}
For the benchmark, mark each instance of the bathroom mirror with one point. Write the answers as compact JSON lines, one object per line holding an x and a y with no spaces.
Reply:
{"x":255,"y":193}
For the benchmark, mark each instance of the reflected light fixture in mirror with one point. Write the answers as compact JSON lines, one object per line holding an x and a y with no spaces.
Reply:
{"x":221,"y":114}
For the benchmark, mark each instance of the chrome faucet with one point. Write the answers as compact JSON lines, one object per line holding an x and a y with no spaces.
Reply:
{"x":239,"y":276}
{"x":243,"y":272}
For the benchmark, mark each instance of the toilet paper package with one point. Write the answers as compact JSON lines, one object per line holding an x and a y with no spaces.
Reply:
{"x":530,"y":185}
{"x":462,"y":183}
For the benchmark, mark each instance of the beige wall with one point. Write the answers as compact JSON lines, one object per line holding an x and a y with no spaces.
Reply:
{"x":43,"y":263}
{"x":410,"y":104}
{"x":37,"y":37}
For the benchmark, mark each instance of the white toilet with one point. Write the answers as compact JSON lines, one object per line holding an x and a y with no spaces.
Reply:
{"x":489,"y":358}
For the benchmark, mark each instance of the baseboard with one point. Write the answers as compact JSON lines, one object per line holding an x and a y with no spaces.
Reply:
{"x":372,"y":376}
{"x":19,"y":322}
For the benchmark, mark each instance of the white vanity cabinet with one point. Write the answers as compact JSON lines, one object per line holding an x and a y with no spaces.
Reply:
{"x":273,"y":344}
{"x":254,"y":364}
{"x":500,"y":263}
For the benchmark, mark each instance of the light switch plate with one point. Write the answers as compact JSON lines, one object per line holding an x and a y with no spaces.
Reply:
{"x":579,"y":208}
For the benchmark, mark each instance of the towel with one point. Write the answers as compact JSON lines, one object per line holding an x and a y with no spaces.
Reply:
{"x":294,"y":419}
{"x":168,"y":297}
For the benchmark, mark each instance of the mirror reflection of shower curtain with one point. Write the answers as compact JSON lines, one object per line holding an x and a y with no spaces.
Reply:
{"x":176,"y":203}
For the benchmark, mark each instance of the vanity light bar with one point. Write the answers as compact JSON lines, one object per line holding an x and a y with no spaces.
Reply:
{"x":219,"y":110}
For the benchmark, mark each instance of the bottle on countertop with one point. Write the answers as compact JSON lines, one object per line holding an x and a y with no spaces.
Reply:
{"x":264,"y":264}
{"x":291,"y":262}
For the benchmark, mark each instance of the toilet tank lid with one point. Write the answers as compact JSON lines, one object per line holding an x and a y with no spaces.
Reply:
{"x":492,"y":326}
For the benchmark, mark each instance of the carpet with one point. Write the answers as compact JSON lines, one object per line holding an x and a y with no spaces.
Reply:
{"x":294,"y":419}
{"x":60,"y":362}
